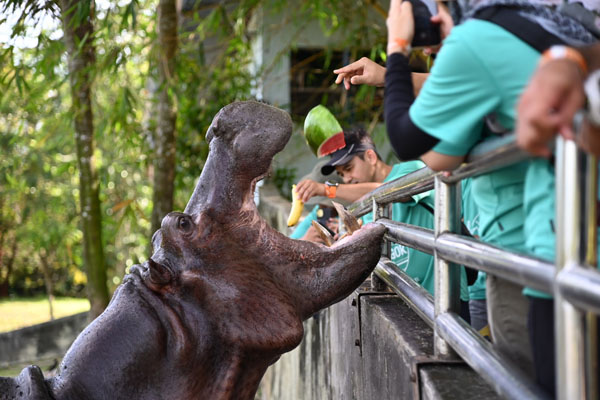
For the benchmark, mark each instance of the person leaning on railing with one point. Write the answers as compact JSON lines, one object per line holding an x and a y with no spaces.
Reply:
{"x":477,"y":76}
{"x":547,"y":108}
{"x":362,"y":170}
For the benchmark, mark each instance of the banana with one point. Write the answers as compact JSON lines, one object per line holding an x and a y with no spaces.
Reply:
{"x":297,"y":206}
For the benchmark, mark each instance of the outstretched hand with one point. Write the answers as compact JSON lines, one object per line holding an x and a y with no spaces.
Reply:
{"x":308,"y":188}
{"x":362,"y":72}
{"x":548,"y":106}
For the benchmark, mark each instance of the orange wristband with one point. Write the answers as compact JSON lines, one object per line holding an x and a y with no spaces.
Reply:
{"x":403,"y":45}
{"x":558,"y":52}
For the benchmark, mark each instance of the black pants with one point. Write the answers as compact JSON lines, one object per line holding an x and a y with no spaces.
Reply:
{"x":464,"y":311}
{"x":541,"y":337}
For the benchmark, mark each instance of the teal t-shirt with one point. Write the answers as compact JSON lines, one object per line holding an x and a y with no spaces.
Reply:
{"x":470,"y":214}
{"x":481,"y":69}
{"x":540,"y":188}
{"x":418,"y":265}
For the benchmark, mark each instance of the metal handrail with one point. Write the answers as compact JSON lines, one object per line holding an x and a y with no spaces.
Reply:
{"x":518,"y":268}
{"x":576,"y":286}
{"x":495,"y":153}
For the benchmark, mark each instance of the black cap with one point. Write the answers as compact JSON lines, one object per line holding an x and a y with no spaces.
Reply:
{"x":344,"y":156}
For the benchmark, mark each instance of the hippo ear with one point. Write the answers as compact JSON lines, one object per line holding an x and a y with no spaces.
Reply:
{"x":159,"y":274}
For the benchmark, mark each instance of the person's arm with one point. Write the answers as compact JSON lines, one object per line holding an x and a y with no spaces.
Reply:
{"x":367,"y":72}
{"x":354,"y":191}
{"x":407,"y":140}
{"x":362,"y":72}
{"x":308,"y":188}
{"x":441,"y":162}
{"x":418,"y":80}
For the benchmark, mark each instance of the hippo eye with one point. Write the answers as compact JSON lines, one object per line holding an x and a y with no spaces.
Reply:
{"x":184,"y":224}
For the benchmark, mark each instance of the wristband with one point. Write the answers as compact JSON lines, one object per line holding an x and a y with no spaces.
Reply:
{"x":558,"y":52}
{"x":403,"y":45}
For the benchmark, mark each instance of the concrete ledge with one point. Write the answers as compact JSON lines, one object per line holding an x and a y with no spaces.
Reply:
{"x":369,"y":346}
{"x":50,"y":339}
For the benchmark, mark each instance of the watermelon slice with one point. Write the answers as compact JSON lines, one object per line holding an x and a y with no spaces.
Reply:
{"x":323,"y":133}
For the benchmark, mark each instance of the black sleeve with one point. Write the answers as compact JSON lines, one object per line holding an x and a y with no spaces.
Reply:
{"x":408,"y":140}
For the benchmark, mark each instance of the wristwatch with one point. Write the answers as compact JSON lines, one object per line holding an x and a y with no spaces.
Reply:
{"x":331,"y":189}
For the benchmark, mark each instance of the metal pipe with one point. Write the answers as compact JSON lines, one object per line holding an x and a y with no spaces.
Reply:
{"x":397,"y":190}
{"x":590,"y":259}
{"x":569,"y":322}
{"x":580,"y":286}
{"x":404,"y":286}
{"x":590,"y":228}
{"x":414,"y":236}
{"x":491,"y":154}
{"x":381,"y":211}
{"x":446,"y":275}
{"x":487,"y":157}
{"x":505,"y":378}
{"x":517,"y":268}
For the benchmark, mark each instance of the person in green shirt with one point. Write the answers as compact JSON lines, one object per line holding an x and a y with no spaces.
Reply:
{"x":362,"y":170}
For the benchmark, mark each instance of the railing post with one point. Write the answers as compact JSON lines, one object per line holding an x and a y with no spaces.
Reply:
{"x":447,"y":275}
{"x":381,"y":211}
{"x":575,"y":329}
{"x":591,"y":259}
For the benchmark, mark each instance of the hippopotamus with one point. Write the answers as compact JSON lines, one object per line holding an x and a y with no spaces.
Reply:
{"x":223,"y":294}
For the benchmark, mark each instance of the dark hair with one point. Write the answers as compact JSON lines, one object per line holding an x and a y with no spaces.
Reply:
{"x":358,"y":135}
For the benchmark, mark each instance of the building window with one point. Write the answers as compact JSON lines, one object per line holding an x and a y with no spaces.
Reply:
{"x":312,"y":82}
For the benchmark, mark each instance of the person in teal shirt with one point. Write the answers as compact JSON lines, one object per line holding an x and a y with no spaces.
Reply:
{"x":471,"y":93}
{"x":478,"y":76}
{"x":468,"y":83}
{"x":362,"y":170}
{"x":557,"y":85}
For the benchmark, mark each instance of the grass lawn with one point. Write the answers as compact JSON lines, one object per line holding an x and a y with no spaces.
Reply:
{"x":20,"y":312}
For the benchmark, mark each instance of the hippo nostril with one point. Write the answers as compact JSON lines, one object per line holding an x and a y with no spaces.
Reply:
{"x":159,"y":274}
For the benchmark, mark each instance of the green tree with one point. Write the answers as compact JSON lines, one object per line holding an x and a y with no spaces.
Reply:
{"x":163,"y":160}
{"x":78,"y":17}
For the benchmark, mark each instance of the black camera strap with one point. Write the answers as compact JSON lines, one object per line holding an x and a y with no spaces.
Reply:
{"x":528,"y":31}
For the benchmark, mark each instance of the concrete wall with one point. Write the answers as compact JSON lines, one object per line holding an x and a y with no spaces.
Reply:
{"x":369,"y":346}
{"x":50,"y":339}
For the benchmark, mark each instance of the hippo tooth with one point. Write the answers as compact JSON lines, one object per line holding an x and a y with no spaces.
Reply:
{"x":348,"y":219}
{"x":323,"y":233}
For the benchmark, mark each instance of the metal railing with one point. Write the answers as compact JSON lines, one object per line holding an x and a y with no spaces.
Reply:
{"x":573,"y":281}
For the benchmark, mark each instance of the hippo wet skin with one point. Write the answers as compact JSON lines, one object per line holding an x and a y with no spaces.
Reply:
{"x":223,"y":295}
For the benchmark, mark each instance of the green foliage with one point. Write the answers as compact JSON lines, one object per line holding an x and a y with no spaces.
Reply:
{"x":283,"y":178}
{"x":39,"y":197}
